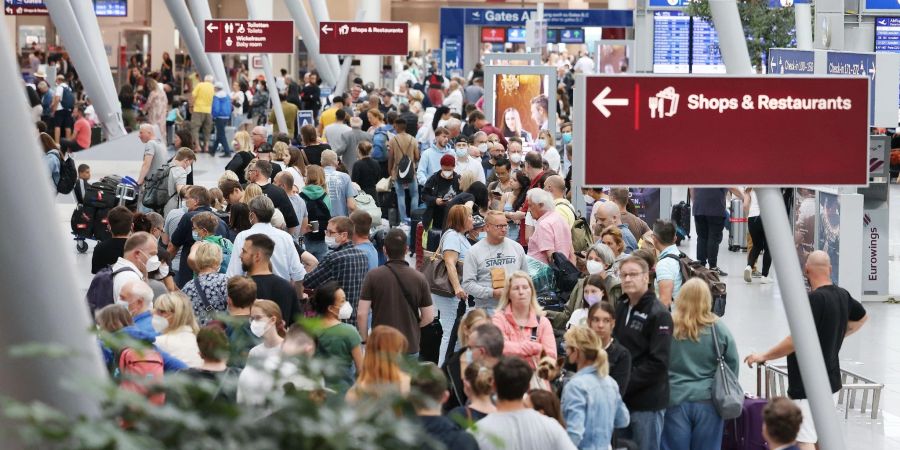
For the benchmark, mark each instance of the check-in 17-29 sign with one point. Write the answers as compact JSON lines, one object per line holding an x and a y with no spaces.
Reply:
{"x":722,"y":131}
{"x":249,"y":36}
{"x":364,"y":38}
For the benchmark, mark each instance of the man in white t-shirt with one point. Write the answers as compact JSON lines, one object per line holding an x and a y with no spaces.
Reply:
{"x":514,"y":425}
{"x":585,"y":64}
{"x":139,"y":253}
{"x":468,"y":159}
{"x":668,"y":268}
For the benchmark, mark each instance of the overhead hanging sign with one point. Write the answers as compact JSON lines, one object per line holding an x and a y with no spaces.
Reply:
{"x":790,"y":61}
{"x":364,"y":38}
{"x":249,"y":36}
{"x":722,"y":131}
{"x":24,"y":8}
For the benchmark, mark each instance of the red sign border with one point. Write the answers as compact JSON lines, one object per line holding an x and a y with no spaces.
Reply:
{"x":581,"y":102}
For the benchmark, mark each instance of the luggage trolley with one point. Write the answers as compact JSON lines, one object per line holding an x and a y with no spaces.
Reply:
{"x":89,"y":219}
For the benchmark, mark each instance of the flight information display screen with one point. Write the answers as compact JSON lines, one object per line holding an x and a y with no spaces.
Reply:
{"x":671,"y":42}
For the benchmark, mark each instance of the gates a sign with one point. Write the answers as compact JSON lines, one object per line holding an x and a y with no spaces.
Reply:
{"x":721,"y":131}
{"x":364,"y":38}
{"x":249,"y":36}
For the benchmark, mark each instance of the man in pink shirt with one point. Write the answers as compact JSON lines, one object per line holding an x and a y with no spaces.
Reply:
{"x":81,"y":136}
{"x":551,"y":233}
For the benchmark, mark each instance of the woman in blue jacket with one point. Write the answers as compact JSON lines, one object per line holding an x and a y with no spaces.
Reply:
{"x":591,"y":403}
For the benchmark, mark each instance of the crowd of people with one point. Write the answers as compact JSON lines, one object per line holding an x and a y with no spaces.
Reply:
{"x":321,"y":221}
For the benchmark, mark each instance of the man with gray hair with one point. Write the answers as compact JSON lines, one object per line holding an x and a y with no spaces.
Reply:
{"x":454,"y":126}
{"x":258,"y":137}
{"x":137,"y":296}
{"x":285,"y":259}
{"x":155,"y":154}
{"x":340,"y":189}
{"x":201,"y":114}
{"x":551,"y":233}
{"x":486,"y":344}
{"x":347,"y":145}
{"x":608,"y":214}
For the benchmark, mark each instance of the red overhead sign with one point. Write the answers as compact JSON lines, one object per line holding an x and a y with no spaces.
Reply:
{"x":249,"y":36}
{"x":364,"y":38}
{"x":722,"y":131}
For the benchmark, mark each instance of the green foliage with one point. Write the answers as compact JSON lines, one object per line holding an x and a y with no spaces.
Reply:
{"x":198,"y":414}
{"x":764,"y":27}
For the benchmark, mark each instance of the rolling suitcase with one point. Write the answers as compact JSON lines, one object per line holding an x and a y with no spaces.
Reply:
{"x":681,"y":217}
{"x":737,"y":231}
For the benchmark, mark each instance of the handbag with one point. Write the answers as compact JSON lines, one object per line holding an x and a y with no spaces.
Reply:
{"x":435,"y":270}
{"x":383,"y":185}
{"x":727,"y":394}
{"x":430,"y":335}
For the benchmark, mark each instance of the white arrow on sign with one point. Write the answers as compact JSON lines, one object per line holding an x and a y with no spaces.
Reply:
{"x":326,"y":29}
{"x":601,"y":102}
{"x":210,"y":27}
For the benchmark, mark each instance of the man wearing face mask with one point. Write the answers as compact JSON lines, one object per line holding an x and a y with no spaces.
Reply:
{"x":439,"y":189}
{"x":256,"y":257}
{"x":345,"y":264}
{"x":495,"y":150}
{"x":468,"y":159}
{"x":140,"y":252}
{"x":430,"y":161}
{"x":515,"y":153}
{"x":137,"y":296}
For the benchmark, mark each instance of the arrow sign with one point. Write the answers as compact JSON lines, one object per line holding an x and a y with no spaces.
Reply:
{"x":210,"y":27}
{"x":326,"y":29}
{"x":601,"y":102}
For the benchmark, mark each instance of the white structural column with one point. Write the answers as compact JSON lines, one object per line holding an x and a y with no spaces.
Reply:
{"x":370,"y":65}
{"x":90,"y":30}
{"x":310,"y":37}
{"x":781,"y":242}
{"x":179,"y":11}
{"x":201,"y":13}
{"x":108,"y":109}
{"x":320,"y":14}
{"x":253,"y":14}
{"x":51,"y":380}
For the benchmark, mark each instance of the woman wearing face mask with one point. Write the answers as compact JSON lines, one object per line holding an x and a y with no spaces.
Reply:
{"x":527,"y":333}
{"x":267,"y":324}
{"x":599,"y":258}
{"x":208,"y":292}
{"x":592,"y":406}
{"x":452,"y":248}
{"x":512,"y":125}
{"x":336,"y":340}
{"x":612,"y":237}
{"x":547,"y":146}
{"x":602,"y":319}
{"x":440,"y":188}
{"x":478,"y":380}
{"x":477,"y":232}
{"x":174,"y":320}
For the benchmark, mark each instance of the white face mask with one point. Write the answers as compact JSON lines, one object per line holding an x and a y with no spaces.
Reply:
{"x":346,"y":311}
{"x":331,"y":242}
{"x":259,"y":327}
{"x":446,"y":173}
{"x":482,"y":148}
{"x":153,"y":264}
{"x":515,"y":158}
{"x":594,"y":267}
{"x":159,"y":323}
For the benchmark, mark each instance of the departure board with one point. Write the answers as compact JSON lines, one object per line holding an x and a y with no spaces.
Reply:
{"x":705,"y":54}
{"x":671,"y":42}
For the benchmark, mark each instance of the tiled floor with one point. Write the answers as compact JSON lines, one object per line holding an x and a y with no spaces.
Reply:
{"x":755,"y":314}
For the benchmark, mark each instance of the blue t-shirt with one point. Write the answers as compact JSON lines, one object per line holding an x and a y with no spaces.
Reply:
{"x":669,"y":269}
{"x":457,"y":242}
{"x":371,"y":254}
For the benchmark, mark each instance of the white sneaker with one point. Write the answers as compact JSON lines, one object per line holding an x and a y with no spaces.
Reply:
{"x":748,"y":274}
{"x":766,"y":280}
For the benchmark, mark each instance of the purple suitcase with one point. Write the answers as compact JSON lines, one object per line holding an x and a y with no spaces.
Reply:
{"x":745,"y":432}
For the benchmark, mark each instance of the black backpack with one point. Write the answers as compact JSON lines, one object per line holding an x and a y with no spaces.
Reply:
{"x":68,"y":174}
{"x":693,"y":269}
{"x":406,"y":171}
{"x":68,"y":99}
{"x":100,"y":293}
{"x":567,"y":275}
{"x":318,"y":211}
{"x":156,"y":188}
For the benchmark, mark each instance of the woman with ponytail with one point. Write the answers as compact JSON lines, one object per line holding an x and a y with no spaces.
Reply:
{"x":478,"y":384}
{"x":591,"y":403}
{"x":267,"y":324}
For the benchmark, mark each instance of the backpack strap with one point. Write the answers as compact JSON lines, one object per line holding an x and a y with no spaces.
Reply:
{"x":535,"y":329}
{"x":405,"y":293}
{"x":206,"y":305}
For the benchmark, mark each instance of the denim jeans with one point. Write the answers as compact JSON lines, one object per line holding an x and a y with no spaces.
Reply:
{"x":646,"y":429}
{"x":413,"y":190}
{"x":221,"y":123}
{"x":709,"y":236}
{"x":446,"y":306}
{"x":692,"y":426}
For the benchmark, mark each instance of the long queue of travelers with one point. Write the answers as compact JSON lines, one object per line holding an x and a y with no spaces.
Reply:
{"x":547,"y":329}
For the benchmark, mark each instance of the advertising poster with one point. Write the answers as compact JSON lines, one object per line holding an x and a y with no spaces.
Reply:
{"x":646,"y":204}
{"x":830,"y":230}
{"x":520,"y":105}
{"x":612,"y":58}
{"x":875,"y":252}
{"x":804,"y":211}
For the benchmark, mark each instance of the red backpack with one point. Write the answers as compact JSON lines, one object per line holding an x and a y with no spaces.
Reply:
{"x":138,"y":370}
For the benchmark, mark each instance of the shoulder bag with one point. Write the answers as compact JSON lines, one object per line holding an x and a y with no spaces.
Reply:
{"x":727,"y":394}
{"x":431,"y":334}
{"x":435,"y":270}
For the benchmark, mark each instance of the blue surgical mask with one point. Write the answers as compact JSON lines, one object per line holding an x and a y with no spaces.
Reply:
{"x":566,"y":138}
{"x":461,"y":152}
{"x":196,"y":236}
{"x":482,"y":235}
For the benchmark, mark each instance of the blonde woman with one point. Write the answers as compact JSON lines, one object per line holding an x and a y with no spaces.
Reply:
{"x":243,"y":148}
{"x":591,"y":404}
{"x":318,"y":206}
{"x":548,"y":147}
{"x":173,"y":318}
{"x":252,"y":191}
{"x":209,"y":290}
{"x":280,"y":156}
{"x":527,"y":333}
{"x":691,"y":421}
{"x":266,"y":323}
